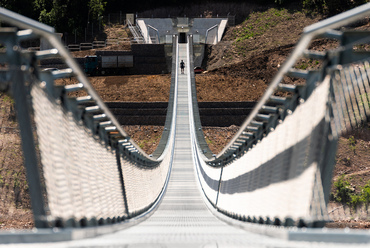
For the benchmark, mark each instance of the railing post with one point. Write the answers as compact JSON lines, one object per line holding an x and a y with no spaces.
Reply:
{"x":119,"y":165}
{"x":18,"y":89}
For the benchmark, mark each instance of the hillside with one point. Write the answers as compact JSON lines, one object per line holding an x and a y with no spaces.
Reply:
{"x":261,"y":32}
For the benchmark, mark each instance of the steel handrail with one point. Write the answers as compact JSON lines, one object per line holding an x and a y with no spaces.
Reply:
{"x":132,"y":29}
{"x":156,"y":30}
{"x":309,"y":34}
{"x":48,"y":33}
{"x":215,"y":26}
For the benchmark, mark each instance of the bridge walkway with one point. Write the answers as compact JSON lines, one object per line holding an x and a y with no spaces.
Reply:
{"x":182,"y":219}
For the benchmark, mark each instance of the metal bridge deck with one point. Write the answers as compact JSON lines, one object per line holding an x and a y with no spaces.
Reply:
{"x":182,"y":219}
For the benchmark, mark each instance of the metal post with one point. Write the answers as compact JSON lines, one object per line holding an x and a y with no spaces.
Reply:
{"x":118,"y":157}
{"x":24,"y":122}
{"x":148,"y":36}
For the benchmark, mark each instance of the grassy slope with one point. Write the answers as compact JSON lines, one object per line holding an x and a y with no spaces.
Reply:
{"x":261,"y":31}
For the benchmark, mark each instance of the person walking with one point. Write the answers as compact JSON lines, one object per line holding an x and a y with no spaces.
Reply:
{"x":182,"y":66}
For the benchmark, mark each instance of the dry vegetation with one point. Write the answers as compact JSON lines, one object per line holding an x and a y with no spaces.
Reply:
{"x":228,"y":88}
{"x":260,"y":32}
{"x":136,"y":88}
{"x":111,"y":33}
{"x":15,"y":202}
{"x":146,"y":137}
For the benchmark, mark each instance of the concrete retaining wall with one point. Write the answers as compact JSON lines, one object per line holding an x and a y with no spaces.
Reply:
{"x":148,"y":59}
{"x":220,"y":114}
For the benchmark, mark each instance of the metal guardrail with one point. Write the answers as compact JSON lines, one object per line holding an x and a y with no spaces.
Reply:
{"x":216,"y":37}
{"x":92,"y":126}
{"x":320,"y":29}
{"x":155,"y":40}
{"x":137,"y":38}
{"x":271,"y":113}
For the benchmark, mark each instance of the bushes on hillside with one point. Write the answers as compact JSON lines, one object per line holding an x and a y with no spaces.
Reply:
{"x":331,"y":7}
{"x":347,"y":195}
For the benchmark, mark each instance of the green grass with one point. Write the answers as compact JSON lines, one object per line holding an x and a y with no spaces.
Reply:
{"x":209,"y":141}
{"x":260,"y":22}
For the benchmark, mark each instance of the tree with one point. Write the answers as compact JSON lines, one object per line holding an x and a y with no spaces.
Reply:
{"x":23,"y":7}
{"x":51,"y":12}
{"x":65,"y":16}
{"x":96,"y":9}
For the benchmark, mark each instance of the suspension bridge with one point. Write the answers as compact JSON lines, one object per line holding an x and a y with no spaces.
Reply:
{"x":92,"y":186}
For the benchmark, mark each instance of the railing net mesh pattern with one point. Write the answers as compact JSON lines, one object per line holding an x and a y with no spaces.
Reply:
{"x":279,"y":178}
{"x":350,"y":99}
{"x":85,"y":178}
{"x":282,"y":176}
{"x":81,"y":174}
{"x":144,"y":184}
{"x":279,"y":173}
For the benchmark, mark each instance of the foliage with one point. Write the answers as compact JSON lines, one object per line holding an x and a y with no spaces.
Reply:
{"x":365,"y":194}
{"x":344,"y":190}
{"x":330,"y":7}
{"x":69,"y":16}
{"x":96,"y":8}
{"x":66,"y":16}
{"x":269,"y":19}
{"x":346,"y":195}
{"x":352,"y":143}
{"x":23,"y":7}
{"x":356,"y":201}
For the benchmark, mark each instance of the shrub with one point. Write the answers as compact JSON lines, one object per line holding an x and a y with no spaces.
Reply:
{"x":365,"y":194}
{"x":330,"y":7}
{"x":344,"y":191}
{"x":352,"y":144}
{"x":356,"y":200}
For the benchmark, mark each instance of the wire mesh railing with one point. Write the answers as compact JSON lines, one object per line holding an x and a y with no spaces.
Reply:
{"x":278,"y":167}
{"x":92,"y":172}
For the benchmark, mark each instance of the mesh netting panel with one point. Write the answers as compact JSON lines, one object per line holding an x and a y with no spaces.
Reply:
{"x":81,"y":174}
{"x":277,"y":177}
{"x":142,"y":184}
{"x":209,"y":178}
{"x":350,"y":100}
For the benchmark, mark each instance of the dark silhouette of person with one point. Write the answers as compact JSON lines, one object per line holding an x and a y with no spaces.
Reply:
{"x":182,"y":66}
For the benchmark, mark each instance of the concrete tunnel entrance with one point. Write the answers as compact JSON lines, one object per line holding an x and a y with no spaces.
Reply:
{"x":182,"y":38}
